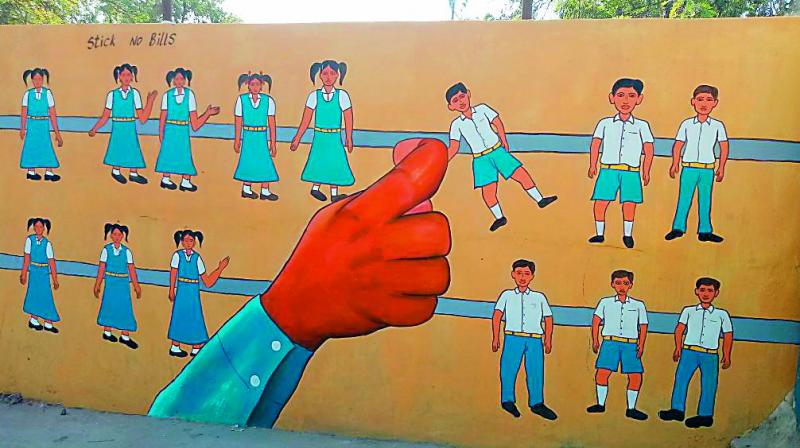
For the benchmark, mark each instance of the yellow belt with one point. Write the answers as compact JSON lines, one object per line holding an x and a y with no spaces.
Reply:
{"x":123,"y":119}
{"x":187,"y":280}
{"x":38,"y":117}
{"x":697,"y":165}
{"x":113,"y":274}
{"x":527,"y":335}
{"x":178,"y":122}
{"x":254,"y":128}
{"x":619,"y":339}
{"x":486,"y":151}
{"x":41,"y":265}
{"x":328,"y":131}
{"x":695,"y":348}
{"x":619,"y":167}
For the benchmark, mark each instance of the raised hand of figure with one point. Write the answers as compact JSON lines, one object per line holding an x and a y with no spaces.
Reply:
{"x":223,"y":263}
{"x":151,"y":96}
{"x":383,"y":269}
{"x":400,"y":151}
{"x":212,"y":110}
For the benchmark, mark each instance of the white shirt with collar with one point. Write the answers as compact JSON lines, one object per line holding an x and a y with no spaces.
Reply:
{"x":705,"y":325}
{"x":104,"y":254}
{"x":38,"y":94}
{"x":700,"y":139}
{"x":477,"y":131}
{"x":137,"y":99}
{"x":237,"y":110}
{"x":344,"y":98}
{"x":523,"y":311}
{"x":176,"y":259}
{"x":621,"y":319}
{"x":179,"y":96}
{"x":622,"y":140}
{"x":48,"y":250}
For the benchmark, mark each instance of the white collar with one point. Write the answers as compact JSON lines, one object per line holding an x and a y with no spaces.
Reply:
{"x":710,"y":308}
{"x":630,"y":119}
{"x":527,"y":291}
{"x":628,"y":299}
{"x":333,"y":89}
{"x":125,"y":91}
{"x":182,"y":91}
{"x":464,"y":117}
{"x":695,"y":120}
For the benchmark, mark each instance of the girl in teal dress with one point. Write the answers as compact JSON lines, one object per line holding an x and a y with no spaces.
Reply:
{"x":178,"y":111}
{"x":254,"y":115}
{"x":117,"y":268}
{"x":38,"y":114}
{"x":327,"y":161}
{"x":38,"y":269}
{"x":124,"y":106}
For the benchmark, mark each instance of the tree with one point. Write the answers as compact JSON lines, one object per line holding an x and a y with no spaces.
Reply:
{"x":602,"y":9}
{"x":520,"y":10}
{"x":111,"y":11}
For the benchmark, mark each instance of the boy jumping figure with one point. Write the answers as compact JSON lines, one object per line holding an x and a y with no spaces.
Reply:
{"x":624,"y":321}
{"x":696,"y":138}
{"x":490,"y":151}
{"x":702,"y":325}
{"x":618,"y":143}
{"x":524,"y":311}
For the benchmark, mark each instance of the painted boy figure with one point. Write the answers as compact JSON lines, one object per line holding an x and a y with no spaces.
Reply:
{"x":624,"y":321}
{"x":702,"y":325}
{"x":697,"y":137}
{"x":490,"y":151}
{"x":618,"y":143}
{"x":524,"y":311}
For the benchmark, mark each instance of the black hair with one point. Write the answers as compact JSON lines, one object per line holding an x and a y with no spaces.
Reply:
{"x":622,"y":273}
{"x":41,"y":71}
{"x":112,"y":227}
{"x":522,"y":263}
{"x":245,"y":78}
{"x":708,"y":281}
{"x":705,"y":88}
{"x":637,"y":85}
{"x":179,"y":71}
{"x":317,"y":67}
{"x":121,"y":68}
{"x":180,"y":234}
{"x":44,"y":221}
{"x":454,"y":90}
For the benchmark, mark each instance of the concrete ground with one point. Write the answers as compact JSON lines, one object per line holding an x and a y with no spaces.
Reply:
{"x":32,"y":424}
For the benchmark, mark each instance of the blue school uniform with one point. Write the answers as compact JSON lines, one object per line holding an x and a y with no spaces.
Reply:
{"x":37,"y":150}
{"x":116,"y":309}
{"x":255,"y":162}
{"x":175,"y":156}
{"x":39,"y":296}
{"x":327,"y":161}
{"x":187,"y":324}
{"x":123,"y":145}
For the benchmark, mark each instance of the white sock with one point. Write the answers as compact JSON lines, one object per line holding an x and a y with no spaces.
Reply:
{"x":34,"y":321}
{"x":246,"y":189}
{"x":632,"y":396}
{"x":602,"y":392}
{"x":627,"y":228}
{"x":107,"y":333}
{"x":600,"y":227}
{"x":124,"y":337}
{"x":334,"y":191}
{"x":175,"y":348}
{"x":115,"y":171}
{"x":49,"y":172}
{"x":48,"y":325}
{"x":265,"y":191}
{"x":134,"y":173}
{"x":195,"y":350}
{"x":186,"y":183}
{"x":534,"y":193}
{"x":495,"y":209}
{"x":31,"y":172}
{"x":166,"y":180}
{"x":315,"y":188}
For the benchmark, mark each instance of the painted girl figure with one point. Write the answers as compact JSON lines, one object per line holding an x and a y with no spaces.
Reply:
{"x":254,"y":115}
{"x":187,"y":324}
{"x":37,"y":116}
{"x":117,"y":269}
{"x":327,"y":161}
{"x":124,"y":106}
{"x":38,"y":270}
{"x":178,"y":111}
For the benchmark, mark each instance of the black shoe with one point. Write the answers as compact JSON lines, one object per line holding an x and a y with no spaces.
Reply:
{"x":710,"y":237}
{"x":52,"y":329}
{"x":318,"y":195}
{"x":178,"y":354}
{"x":250,"y":195}
{"x":191,"y":189}
{"x":35,"y":327}
{"x":635,"y":414}
{"x":628,"y":241}
{"x":138,"y":179}
{"x":543,"y":411}
{"x":671,"y":415}
{"x":338,"y":198}
{"x":268,"y":197}
{"x":597,"y":239}
{"x":674,"y":233}
{"x":498,"y":223}
{"x":596,"y":409}
{"x":699,"y":421}
{"x":511,"y":408}
{"x":547,"y":201}
{"x":129,"y":342}
{"x":119,"y":178}
{"x":168,"y":186}
{"x":52,"y":177}
{"x":109,"y":337}
{"x":34,"y":176}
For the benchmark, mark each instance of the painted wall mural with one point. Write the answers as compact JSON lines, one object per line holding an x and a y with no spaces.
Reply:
{"x":389,"y":292}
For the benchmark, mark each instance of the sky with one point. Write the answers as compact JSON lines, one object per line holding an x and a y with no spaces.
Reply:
{"x":300,"y":11}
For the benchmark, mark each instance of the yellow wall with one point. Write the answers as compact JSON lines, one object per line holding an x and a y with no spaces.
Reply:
{"x":438,"y":382}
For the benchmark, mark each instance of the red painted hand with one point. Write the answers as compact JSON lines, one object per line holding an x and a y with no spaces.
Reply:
{"x":361,"y":265}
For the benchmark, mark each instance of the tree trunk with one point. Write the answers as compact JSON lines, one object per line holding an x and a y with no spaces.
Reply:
{"x":166,"y":10}
{"x":527,"y":9}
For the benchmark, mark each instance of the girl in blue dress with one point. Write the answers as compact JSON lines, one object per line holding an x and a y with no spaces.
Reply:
{"x":178,"y":111}
{"x":327,"y":161}
{"x":38,"y":270}
{"x":254,"y":115}
{"x":187,"y":324}
{"x":117,"y":268}
{"x":124,"y":106}
{"x":37,"y":116}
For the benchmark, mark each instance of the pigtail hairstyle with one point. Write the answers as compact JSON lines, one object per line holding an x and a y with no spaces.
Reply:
{"x":317,"y":67}
{"x":111,"y":227}
{"x":121,"y":68}
{"x":44,"y":221}
{"x":180,"y":234}
{"x":245,"y":78}
{"x":33,"y":72}
{"x":179,"y":71}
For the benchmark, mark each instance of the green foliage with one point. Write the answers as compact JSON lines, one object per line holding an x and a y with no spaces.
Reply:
{"x":111,"y":11}
{"x":603,"y":9}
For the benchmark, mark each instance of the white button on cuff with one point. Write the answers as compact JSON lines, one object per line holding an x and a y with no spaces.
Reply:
{"x":276,"y":345}
{"x":255,"y":380}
